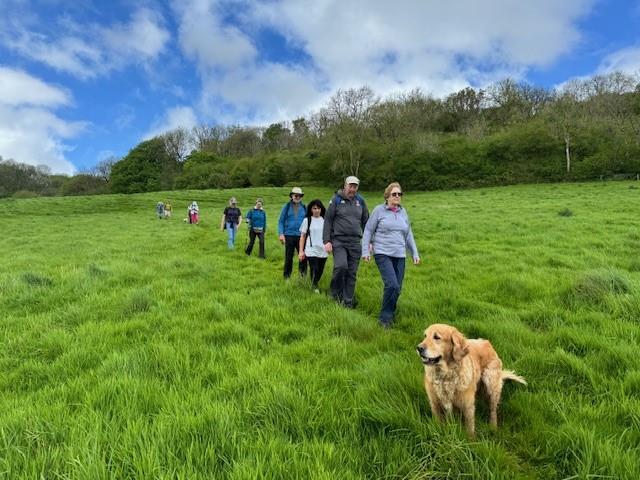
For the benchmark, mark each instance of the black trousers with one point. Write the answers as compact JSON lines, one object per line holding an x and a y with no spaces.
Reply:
{"x":252,"y":239}
{"x":291,"y":246}
{"x":346,"y":258}
{"x":316,"y":268}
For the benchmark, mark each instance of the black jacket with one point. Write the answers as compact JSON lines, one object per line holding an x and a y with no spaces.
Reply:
{"x":345,"y":219}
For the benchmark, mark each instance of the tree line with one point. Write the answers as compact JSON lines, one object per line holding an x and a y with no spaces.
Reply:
{"x":510,"y":132}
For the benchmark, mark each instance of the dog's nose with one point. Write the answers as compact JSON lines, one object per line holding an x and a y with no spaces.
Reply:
{"x":420,"y":349}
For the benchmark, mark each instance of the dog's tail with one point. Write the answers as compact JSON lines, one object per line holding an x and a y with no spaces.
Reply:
{"x":511,"y":375}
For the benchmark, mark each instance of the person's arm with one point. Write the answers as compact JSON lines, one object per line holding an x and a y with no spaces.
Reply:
{"x":239,"y":219}
{"x":328,"y":225}
{"x":304,"y":230}
{"x":249,"y":218}
{"x":281,"y":221}
{"x":365,"y":215}
{"x":369,"y":229}
{"x":222,"y":221}
{"x":411,"y":243}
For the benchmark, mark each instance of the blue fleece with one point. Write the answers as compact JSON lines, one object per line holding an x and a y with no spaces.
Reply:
{"x":257,"y":218}
{"x":289,"y":223}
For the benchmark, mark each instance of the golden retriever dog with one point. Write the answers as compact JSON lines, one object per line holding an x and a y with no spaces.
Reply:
{"x":453,"y":369}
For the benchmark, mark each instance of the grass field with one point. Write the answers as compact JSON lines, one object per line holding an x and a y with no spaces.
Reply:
{"x":138,"y":348}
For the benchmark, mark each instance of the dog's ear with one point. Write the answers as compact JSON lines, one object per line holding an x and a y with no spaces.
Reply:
{"x":459,"y":346}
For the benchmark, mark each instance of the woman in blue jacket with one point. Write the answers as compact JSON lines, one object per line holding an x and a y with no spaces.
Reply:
{"x":388,"y":236}
{"x":257,"y":220}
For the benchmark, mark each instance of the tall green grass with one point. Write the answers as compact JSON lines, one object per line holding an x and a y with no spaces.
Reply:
{"x":134,"y":347}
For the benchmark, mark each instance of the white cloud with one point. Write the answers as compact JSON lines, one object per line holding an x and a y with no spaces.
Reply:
{"x":143,"y":37}
{"x":36,"y":137}
{"x":173,"y":118}
{"x":18,"y":88}
{"x":626,"y":60}
{"x":88,"y":51}
{"x":205,"y":38}
{"x":29,"y":132}
{"x":66,"y":54}
{"x":263,"y":94}
{"x":353,"y":42}
{"x":440,"y":47}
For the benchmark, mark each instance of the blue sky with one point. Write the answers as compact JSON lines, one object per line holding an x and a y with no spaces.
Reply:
{"x":83,"y":81}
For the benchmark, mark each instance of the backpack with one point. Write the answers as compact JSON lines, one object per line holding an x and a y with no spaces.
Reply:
{"x":338,"y":198}
{"x":308,"y":234}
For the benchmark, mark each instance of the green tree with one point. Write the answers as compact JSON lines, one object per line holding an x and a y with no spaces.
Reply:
{"x":84,"y":184}
{"x":15,"y":176}
{"x":348,"y":115}
{"x":276,"y":137}
{"x":241,"y":142}
{"x":146,"y":168}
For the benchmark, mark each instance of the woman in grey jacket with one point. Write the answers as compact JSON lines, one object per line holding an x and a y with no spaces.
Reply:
{"x":388,"y":236}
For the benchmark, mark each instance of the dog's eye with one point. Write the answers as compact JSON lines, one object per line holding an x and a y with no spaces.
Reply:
{"x":436,"y":336}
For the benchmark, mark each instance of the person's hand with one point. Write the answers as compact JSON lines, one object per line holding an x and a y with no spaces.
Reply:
{"x":301,"y":256}
{"x":328,"y":247}
{"x":281,"y":238}
{"x":366,"y":258}
{"x":416,"y":260}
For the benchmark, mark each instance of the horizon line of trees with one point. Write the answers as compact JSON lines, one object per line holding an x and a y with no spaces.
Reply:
{"x":510,"y":132}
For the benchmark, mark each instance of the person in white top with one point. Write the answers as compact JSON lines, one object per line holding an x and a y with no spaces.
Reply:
{"x":311,"y":246}
{"x":194,"y":212}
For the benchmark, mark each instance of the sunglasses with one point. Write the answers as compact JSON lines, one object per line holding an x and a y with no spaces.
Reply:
{"x":295,"y":195}
{"x":396,"y":194}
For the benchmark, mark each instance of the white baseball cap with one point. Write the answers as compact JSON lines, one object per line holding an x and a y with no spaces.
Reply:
{"x":351,"y":179}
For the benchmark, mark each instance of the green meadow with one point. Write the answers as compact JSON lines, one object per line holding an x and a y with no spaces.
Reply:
{"x":133,"y":347}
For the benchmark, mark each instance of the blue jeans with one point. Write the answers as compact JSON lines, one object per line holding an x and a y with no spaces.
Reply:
{"x":232,"y":228}
{"x":392,"y":273}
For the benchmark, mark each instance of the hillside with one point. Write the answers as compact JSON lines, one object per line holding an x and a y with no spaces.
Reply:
{"x":134,"y":347}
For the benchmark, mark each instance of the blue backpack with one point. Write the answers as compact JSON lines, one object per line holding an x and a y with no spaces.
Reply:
{"x":338,"y":198}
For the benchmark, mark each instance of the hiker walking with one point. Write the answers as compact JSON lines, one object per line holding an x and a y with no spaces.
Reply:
{"x":231,"y":218}
{"x":311,"y":248}
{"x":344,"y":221}
{"x":167,"y":209}
{"x":388,"y":236}
{"x":291,"y":216}
{"x":257,"y":221}
{"x":194,"y":212}
{"x":160,"y":209}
